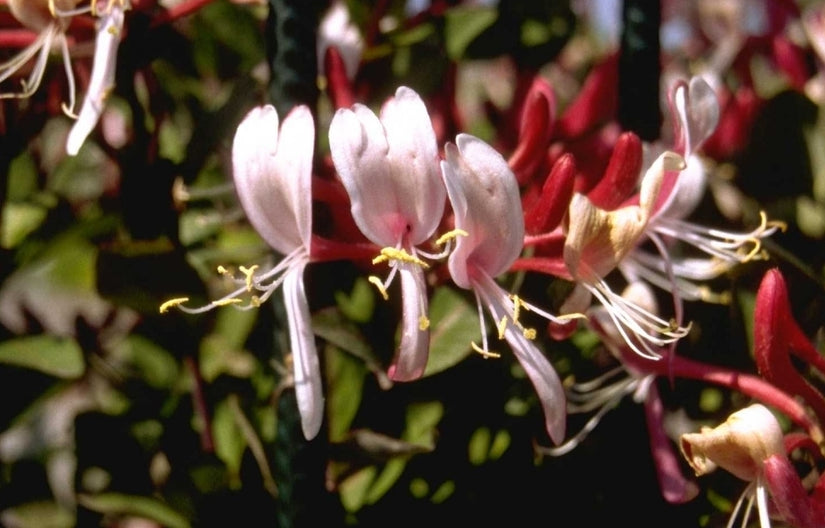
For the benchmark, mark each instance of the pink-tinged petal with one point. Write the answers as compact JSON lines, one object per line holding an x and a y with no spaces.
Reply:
{"x":359,"y":151}
{"x":697,"y":110}
{"x":413,"y":155}
{"x":487,"y":205}
{"x":538,"y":368}
{"x":411,"y":357}
{"x":598,"y":240}
{"x":793,"y":503}
{"x":686,"y":192}
{"x":389,"y":168}
{"x":102,"y":80}
{"x":676,"y":489}
{"x":307,"y":372}
{"x":273,"y":175}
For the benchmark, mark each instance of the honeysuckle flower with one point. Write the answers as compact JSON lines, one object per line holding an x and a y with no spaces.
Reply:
{"x":487,"y":207}
{"x":272,"y":170}
{"x":337,"y":29}
{"x":696,"y":112}
{"x":750,"y":444}
{"x":596,"y":243}
{"x":41,"y":16}
{"x":109,"y":29}
{"x":389,"y":167}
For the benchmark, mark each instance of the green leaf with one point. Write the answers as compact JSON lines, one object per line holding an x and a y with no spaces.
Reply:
{"x":41,"y":514}
{"x":330,"y":325}
{"x":154,"y":364}
{"x":345,"y":377}
{"x":454,"y":324}
{"x":421,"y":421}
{"x":19,"y":220}
{"x":55,"y":356}
{"x":353,"y":490}
{"x":359,"y":305}
{"x":464,"y":25}
{"x":229,"y":442}
{"x":136,"y":506}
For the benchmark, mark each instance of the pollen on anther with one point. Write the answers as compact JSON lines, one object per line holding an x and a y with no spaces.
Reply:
{"x":450,"y":235}
{"x":171,"y":303}
{"x":486,"y":354}
{"x":248,"y":275}
{"x":375,"y":281}
{"x":529,"y":333}
{"x":423,"y":323}
{"x":502,"y":326}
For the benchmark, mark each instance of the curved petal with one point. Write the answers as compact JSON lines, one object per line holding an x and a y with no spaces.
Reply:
{"x":538,"y":368}
{"x":390,"y":169}
{"x":698,"y":111}
{"x":411,"y":357}
{"x":273,"y":175}
{"x":307,"y":372}
{"x":413,"y":155}
{"x":359,"y":151}
{"x":102,"y":81}
{"x":487,"y":205}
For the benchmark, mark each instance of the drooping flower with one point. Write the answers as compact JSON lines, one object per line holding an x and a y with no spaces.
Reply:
{"x":109,"y":30}
{"x":389,"y":167}
{"x":487,"y":207}
{"x":272,"y":170}
{"x":750,"y":445}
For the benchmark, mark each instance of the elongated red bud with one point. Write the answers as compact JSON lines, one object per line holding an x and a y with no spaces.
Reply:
{"x":791,"y":60}
{"x":596,"y":103}
{"x":622,"y":173}
{"x":775,"y":336}
{"x":548,"y":211}
{"x":338,"y":85}
{"x":538,"y":115}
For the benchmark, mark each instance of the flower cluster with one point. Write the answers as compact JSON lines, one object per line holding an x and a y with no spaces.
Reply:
{"x":560,"y":219}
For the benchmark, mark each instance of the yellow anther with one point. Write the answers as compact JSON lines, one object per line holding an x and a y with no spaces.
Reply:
{"x":423,"y":323}
{"x":222,"y":270}
{"x":529,"y":333}
{"x":390,"y":254}
{"x":375,"y":281}
{"x":249,"y":274}
{"x":171,"y":303}
{"x":450,"y":235}
{"x":571,"y":316}
{"x":518,"y":304}
{"x":255,"y":301}
{"x":227,"y":302}
{"x":502,"y":326}
{"x":755,"y":251}
{"x":486,"y":354}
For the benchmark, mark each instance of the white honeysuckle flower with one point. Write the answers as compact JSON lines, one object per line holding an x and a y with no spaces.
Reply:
{"x":107,"y":41}
{"x":272,"y":169}
{"x":389,"y":167}
{"x":487,"y":206}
